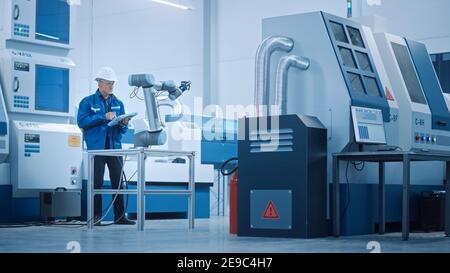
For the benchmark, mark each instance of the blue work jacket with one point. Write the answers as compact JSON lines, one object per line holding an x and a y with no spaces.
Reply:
{"x":92,"y":120}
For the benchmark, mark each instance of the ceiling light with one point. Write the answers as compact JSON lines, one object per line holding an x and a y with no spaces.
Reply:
{"x":168,"y":3}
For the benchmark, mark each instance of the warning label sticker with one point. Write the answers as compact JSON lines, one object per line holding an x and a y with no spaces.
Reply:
{"x":271,"y":212}
{"x":389,"y":95}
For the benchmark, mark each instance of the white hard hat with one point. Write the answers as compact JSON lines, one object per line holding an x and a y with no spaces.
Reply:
{"x":106,"y":73}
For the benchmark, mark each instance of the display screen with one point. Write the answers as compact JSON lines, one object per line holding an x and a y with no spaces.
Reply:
{"x":53,"y":21}
{"x":32,"y":138}
{"x":52,"y":89}
{"x":19,"y":66}
{"x":409,"y":74}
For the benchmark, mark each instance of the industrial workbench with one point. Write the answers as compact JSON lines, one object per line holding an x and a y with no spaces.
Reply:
{"x":140,"y":154}
{"x":382,"y":158}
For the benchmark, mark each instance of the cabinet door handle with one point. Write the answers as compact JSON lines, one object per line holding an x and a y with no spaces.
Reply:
{"x":16,"y":84}
{"x":16,"y":12}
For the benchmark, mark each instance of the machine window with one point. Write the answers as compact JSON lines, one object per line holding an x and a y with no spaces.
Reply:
{"x":347,"y":57}
{"x":53,"y":21}
{"x":339,"y":32}
{"x":355,"y":36}
{"x":409,"y":74}
{"x":372,"y":86}
{"x":355,"y":82}
{"x":52,"y":89}
{"x":364,"y":61}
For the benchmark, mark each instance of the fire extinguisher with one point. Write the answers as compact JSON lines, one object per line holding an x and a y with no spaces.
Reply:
{"x":233,"y":194}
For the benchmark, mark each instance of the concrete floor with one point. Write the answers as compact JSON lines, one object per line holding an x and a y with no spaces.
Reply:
{"x":167,"y":236}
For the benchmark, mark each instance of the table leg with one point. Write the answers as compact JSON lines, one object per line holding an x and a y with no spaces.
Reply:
{"x":381,"y":198}
{"x":90,"y":193}
{"x":218,"y":192}
{"x":405,"y":207}
{"x":447,"y":199}
{"x":192,"y":189}
{"x":336,"y":209}
{"x":140,"y":191}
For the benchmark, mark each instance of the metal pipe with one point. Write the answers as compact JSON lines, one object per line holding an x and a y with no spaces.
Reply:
{"x":282,"y":79}
{"x":262,"y":67}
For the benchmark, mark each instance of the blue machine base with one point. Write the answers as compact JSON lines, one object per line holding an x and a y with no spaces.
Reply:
{"x":361,"y":217}
{"x":158,"y":206}
{"x":362,"y":214}
{"x":19,"y":210}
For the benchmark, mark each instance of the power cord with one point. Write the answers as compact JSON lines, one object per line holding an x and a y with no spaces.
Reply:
{"x":356,"y":166}
{"x":222,"y":167}
{"x":113,"y":200}
{"x":134,"y":93}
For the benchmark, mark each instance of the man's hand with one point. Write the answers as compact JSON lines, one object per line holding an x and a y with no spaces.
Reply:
{"x":110,"y":116}
{"x":125,"y":121}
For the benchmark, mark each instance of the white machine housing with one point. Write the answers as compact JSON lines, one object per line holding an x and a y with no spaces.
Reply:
{"x":20,"y":83}
{"x":416,"y":131}
{"x":19,"y":21}
{"x":392,"y":128}
{"x":322,"y":90}
{"x":45,"y":156}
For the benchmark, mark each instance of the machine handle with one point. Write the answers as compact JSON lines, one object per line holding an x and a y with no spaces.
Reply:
{"x":16,"y":12}
{"x":16,"y":84}
{"x":442,"y":123}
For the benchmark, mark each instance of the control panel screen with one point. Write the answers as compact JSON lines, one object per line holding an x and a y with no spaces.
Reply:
{"x":368,"y":125}
{"x":32,"y":138}
{"x":53,"y":21}
{"x":52,"y":89}
{"x":20,"y":66}
{"x":409,"y":73}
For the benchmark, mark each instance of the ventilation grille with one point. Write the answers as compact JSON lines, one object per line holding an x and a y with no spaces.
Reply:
{"x":272,"y":141}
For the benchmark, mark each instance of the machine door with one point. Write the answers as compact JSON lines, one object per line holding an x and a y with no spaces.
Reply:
{"x":357,"y":65}
{"x":430,"y":85}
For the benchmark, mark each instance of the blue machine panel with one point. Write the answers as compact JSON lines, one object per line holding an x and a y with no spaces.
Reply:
{"x":430,"y":85}
{"x":355,"y":60}
{"x":3,"y":128}
{"x":52,"y":89}
{"x":53,"y":21}
{"x":224,"y":145}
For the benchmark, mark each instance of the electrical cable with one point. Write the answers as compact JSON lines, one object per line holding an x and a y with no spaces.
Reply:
{"x":222,"y":167}
{"x":112,"y":201}
{"x":134,"y":93}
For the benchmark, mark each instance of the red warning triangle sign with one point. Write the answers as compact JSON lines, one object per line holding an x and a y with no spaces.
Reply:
{"x":271,"y":211}
{"x":389,"y":94}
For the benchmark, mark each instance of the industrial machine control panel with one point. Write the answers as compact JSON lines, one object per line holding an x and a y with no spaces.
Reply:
{"x":43,"y":22}
{"x":35,"y":145}
{"x":422,"y":106}
{"x":368,"y":125}
{"x":37,"y":83}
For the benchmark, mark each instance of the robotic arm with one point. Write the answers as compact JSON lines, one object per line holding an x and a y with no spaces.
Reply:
{"x":154,"y":133}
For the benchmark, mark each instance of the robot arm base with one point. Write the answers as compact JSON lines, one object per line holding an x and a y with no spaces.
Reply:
{"x":147,"y":138}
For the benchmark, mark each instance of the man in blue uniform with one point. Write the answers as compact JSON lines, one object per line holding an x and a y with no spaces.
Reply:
{"x":94,"y":114}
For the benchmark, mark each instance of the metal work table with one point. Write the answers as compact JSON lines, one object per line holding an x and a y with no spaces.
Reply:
{"x":381,"y":158}
{"x":141,"y":192}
